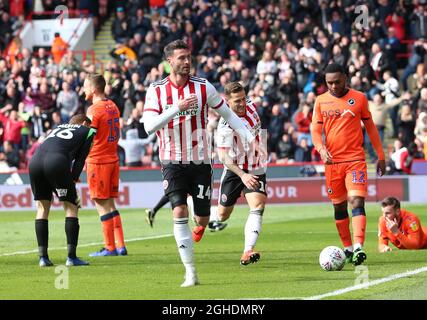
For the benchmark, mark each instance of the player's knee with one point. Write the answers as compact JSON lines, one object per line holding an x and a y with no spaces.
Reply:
{"x":224,"y":212}
{"x":177,"y":199}
{"x":340,"y":211}
{"x":357,"y":202}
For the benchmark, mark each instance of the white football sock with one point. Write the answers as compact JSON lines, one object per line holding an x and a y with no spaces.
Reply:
{"x":350,"y":248}
{"x":184,"y":242}
{"x":253,"y":228}
{"x":357,"y":246}
{"x":214,"y":214}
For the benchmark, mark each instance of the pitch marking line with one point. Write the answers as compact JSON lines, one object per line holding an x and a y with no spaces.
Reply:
{"x":349,"y":289}
{"x":368,"y":284}
{"x":84,"y":245}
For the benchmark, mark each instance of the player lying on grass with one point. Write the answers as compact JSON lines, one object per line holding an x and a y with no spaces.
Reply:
{"x":402,"y":228}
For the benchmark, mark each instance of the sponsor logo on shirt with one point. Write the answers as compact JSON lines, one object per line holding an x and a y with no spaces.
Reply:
{"x":62,"y":192}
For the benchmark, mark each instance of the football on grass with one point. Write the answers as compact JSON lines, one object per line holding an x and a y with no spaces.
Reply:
{"x":332,"y":258}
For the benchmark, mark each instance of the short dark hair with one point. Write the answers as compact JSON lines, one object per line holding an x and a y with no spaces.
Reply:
{"x":390,"y":201}
{"x":98,"y":82}
{"x":79,"y":119}
{"x":233,"y":87}
{"x":334,"y":68}
{"x":175,"y":45}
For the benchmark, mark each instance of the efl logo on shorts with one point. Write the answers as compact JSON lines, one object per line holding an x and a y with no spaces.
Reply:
{"x":165,"y":184}
{"x":329,"y":190}
{"x":224,"y":197}
{"x":62,"y":192}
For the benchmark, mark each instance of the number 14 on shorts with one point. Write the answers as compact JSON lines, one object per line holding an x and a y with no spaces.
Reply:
{"x":358,"y":176}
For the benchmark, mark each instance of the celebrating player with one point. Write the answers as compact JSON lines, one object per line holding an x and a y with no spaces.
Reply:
{"x":103,"y":165}
{"x":400,"y":227}
{"x":338,"y":114}
{"x":243,"y":171}
{"x":177,"y":108}
{"x":49,"y":170}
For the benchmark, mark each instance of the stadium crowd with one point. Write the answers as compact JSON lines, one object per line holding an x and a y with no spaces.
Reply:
{"x":276,"y":49}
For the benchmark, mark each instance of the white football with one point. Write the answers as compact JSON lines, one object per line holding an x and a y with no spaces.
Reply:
{"x":332,"y":258}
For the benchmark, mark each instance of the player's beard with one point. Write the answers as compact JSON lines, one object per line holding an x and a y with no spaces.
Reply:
{"x":183,"y":71}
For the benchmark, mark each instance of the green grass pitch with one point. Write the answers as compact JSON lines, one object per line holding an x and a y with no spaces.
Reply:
{"x":290,"y":242}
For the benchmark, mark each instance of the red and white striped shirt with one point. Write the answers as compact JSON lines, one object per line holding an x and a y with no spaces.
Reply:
{"x":245,"y":158}
{"x":184,"y":138}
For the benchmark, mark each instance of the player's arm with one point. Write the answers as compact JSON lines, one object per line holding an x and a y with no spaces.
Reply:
{"x":82,"y":154}
{"x":249,"y":180}
{"x":413,"y":239}
{"x":154,"y":119}
{"x":374,"y":136}
{"x":382,"y":238}
{"x":217,"y":103}
{"x":316,"y":129}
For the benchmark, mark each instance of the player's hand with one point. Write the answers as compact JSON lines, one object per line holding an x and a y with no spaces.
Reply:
{"x":250,"y":181}
{"x":381,"y":167}
{"x":385,"y":249}
{"x":187,"y":102}
{"x":392,"y":225}
{"x":325,"y":155}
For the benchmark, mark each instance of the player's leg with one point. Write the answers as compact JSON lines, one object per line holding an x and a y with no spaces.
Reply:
{"x":342,"y":223}
{"x":176,"y":188}
{"x":183,"y":236}
{"x":200,"y":177}
{"x":357,"y":190}
{"x":100,"y":186}
{"x":337,"y":193}
{"x":151,"y":213}
{"x":117,"y":220}
{"x":229,"y":191}
{"x":72,"y":229}
{"x":256,"y":200}
{"x":42,"y":231}
{"x":71,"y":203}
{"x":359,"y":228}
{"x":42,"y":191}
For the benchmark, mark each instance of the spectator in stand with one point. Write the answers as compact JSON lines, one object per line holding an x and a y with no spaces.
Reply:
{"x":120,"y":27}
{"x":302,"y":151}
{"x":406,"y":125}
{"x":67,"y":102}
{"x":134,"y":147}
{"x":396,"y":21}
{"x":12,"y":126}
{"x":422,"y":102}
{"x":10,"y":155}
{"x":418,"y":80}
{"x":303,"y":121}
{"x":379,"y":61}
{"x":59,"y":48}
{"x":275,"y":127}
{"x":421,"y":126}
{"x":401,"y":159}
{"x":44,"y":99}
{"x":285,"y":149}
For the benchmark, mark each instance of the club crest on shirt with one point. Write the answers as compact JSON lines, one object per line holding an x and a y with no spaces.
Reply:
{"x":165,"y":184}
{"x":329,"y":190}
{"x":414,"y":226}
{"x":351,"y":102}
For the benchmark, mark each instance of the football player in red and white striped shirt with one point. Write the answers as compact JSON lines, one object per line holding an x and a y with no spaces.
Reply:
{"x":176,"y":108}
{"x":244,"y":169}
